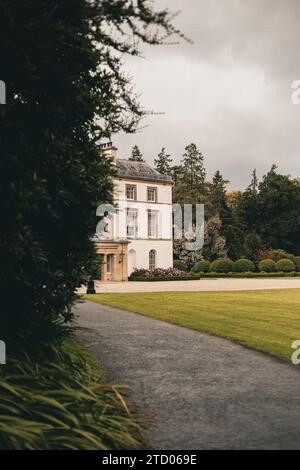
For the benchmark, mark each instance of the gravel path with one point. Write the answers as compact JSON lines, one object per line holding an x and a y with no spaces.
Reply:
{"x":202,"y":285}
{"x":202,"y":392}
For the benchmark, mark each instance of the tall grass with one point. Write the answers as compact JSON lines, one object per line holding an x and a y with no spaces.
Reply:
{"x":62,"y":403}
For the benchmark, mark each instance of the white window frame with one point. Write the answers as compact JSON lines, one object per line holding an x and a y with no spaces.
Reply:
{"x":131,"y":187}
{"x":132,"y":212}
{"x":152,"y":229}
{"x":150,"y":189}
{"x":152,"y":265}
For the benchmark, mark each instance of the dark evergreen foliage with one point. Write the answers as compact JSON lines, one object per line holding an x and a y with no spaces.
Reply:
{"x":163,"y":163}
{"x":265,"y":216}
{"x":136,"y":155}
{"x":61,"y":62}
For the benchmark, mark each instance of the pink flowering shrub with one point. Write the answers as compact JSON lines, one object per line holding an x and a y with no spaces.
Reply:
{"x":158,"y":272}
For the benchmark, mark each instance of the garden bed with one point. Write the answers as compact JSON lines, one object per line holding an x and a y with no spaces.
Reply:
{"x":59,"y":401}
{"x":164,"y":278}
{"x":198,"y":276}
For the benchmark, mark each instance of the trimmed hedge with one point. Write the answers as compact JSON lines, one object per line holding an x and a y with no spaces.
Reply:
{"x":201,"y":267}
{"x":243,"y":265}
{"x":285,"y":265}
{"x":267,"y":266}
{"x":193,"y":277}
{"x":275,"y":274}
{"x":214,"y":275}
{"x":296,"y":260}
{"x":222,"y":266}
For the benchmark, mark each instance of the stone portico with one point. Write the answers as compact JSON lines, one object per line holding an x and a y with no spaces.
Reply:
{"x":113,"y":259}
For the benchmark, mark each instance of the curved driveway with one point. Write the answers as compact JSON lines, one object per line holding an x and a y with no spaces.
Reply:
{"x":200,"y":391}
{"x":202,"y":285}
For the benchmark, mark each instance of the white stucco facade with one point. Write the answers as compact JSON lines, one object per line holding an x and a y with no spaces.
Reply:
{"x":138,"y":254}
{"x":142,"y":241}
{"x":137,"y":231}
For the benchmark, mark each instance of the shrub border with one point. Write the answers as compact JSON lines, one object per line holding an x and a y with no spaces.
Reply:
{"x":164,"y":278}
{"x":197,"y":277}
{"x":249,"y":274}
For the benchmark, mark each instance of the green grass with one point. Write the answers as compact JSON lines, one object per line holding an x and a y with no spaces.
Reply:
{"x":60,"y":401}
{"x":265,"y":320}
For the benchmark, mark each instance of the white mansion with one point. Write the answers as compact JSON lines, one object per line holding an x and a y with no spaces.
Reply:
{"x":139,"y":233}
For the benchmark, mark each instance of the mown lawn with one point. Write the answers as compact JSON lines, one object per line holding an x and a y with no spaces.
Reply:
{"x":265,"y":320}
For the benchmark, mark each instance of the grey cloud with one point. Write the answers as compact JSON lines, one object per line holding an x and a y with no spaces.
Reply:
{"x":229,"y":92}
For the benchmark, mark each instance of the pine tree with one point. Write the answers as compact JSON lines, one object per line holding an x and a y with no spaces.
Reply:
{"x":253,"y":187}
{"x":163,"y":163}
{"x":218,"y":191}
{"x":176,"y":173}
{"x":230,"y":228}
{"x":193,"y":167}
{"x":248,"y":211}
{"x":136,"y":155}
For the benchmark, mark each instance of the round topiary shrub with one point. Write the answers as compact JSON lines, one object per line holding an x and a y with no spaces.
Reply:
{"x":178,"y":264}
{"x":285,"y":265}
{"x":201,"y":266}
{"x":222,"y":266}
{"x":243,"y":265}
{"x":214,"y":266}
{"x":296,"y":260}
{"x":267,"y":266}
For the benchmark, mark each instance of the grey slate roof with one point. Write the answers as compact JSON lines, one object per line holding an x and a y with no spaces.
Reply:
{"x":139,"y":170}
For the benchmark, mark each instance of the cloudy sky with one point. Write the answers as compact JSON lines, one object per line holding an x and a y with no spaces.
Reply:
{"x":229,"y":91}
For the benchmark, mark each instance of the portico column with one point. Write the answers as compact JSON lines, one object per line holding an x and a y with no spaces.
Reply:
{"x":115,"y":268}
{"x":103,"y":268}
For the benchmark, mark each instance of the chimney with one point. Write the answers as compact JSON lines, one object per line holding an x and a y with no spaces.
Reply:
{"x":110,"y":151}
